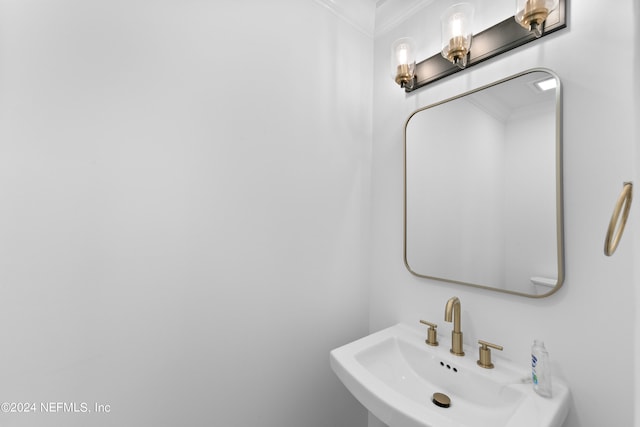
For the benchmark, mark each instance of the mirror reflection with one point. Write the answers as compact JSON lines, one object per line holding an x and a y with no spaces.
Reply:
{"x":483,"y":190}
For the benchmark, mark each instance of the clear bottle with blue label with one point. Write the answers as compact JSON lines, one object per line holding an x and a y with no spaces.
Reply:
{"x":540,"y":370}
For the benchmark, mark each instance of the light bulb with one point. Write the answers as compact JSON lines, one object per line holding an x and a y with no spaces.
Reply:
{"x":456,"y":26}
{"x":403,"y":55}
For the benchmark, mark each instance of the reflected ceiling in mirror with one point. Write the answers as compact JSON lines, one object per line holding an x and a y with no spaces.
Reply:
{"x":483,"y":187}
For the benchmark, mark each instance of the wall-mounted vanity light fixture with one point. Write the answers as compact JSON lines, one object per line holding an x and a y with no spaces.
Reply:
{"x":403,"y":61}
{"x":533,"y":17}
{"x":531,"y":14}
{"x":457,"y":33}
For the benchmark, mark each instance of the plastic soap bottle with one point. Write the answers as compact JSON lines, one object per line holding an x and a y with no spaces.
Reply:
{"x":540,"y":370}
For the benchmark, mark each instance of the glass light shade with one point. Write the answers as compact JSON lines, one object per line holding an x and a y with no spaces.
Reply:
{"x":457,"y":22}
{"x":531,"y":14}
{"x":403,"y":61}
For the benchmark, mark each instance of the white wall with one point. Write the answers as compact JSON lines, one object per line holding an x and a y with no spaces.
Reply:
{"x":589,"y":325}
{"x":185,"y":190}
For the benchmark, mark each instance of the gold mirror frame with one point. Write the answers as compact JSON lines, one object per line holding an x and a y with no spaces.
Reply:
{"x":559,"y":199}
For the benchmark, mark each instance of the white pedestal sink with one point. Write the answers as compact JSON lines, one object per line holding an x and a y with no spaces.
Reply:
{"x":394,"y":374}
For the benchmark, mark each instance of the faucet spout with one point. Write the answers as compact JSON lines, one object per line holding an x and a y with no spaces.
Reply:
{"x":452,"y":313}
{"x":452,"y":310}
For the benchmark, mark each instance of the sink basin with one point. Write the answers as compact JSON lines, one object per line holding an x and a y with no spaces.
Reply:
{"x":394,"y":374}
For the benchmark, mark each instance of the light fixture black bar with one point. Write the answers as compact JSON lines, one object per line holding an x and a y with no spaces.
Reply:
{"x":500,"y":38}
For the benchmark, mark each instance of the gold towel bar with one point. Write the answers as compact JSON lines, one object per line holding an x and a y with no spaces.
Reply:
{"x":622,"y":205}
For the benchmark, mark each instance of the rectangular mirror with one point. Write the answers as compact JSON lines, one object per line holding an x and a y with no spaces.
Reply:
{"x":483,"y":187}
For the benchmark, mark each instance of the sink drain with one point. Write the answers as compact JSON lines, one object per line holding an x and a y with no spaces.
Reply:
{"x":441,"y":400}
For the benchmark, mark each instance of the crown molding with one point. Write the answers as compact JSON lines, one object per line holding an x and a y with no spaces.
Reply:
{"x":360,"y":14}
{"x":392,"y":13}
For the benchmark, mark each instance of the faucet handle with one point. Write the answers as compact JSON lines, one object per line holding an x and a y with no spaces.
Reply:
{"x":485,"y":354}
{"x":432,"y":337}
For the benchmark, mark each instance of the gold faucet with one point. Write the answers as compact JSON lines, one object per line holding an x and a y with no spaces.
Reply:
{"x":452,"y":310}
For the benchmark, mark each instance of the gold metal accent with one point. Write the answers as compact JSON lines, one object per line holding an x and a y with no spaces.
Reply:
{"x":457,"y":52}
{"x":485,"y":354}
{"x":441,"y":400}
{"x":533,"y":16}
{"x":623,"y":205}
{"x":404,"y":75}
{"x":452,"y":310}
{"x":432,"y":337}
